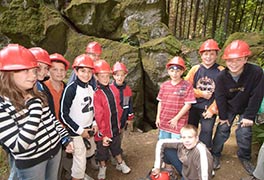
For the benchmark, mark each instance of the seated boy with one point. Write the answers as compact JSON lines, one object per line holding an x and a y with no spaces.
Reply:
{"x":188,"y":155}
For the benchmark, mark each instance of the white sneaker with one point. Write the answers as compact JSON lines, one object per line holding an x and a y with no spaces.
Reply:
{"x":86,"y":177}
{"x":102,"y":173}
{"x":123,"y":168}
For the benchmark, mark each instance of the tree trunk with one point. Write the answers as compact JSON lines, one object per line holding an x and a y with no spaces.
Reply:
{"x":206,"y":14}
{"x":185,"y":18}
{"x":228,"y":6}
{"x":254,"y":16}
{"x":190,"y":20}
{"x":236,"y":14}
{"x":259,"y":12}
{"x":195,"y":17}
{"x":242,"y":14}
{"x":181,"y":20}
{"x":172,"y":17}
{"x":215,"y":16}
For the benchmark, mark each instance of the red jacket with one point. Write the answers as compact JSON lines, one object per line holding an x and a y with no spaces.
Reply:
{"x":103,"y":115}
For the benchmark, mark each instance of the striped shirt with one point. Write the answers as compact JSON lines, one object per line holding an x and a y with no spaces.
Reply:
{"x":32,"y":135}
{"x":173,"y":98}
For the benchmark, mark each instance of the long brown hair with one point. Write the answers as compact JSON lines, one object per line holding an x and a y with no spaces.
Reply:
{"x":10,"y":90}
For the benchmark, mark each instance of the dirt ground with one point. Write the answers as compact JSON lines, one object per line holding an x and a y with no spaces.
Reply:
{"x":139,"y":150}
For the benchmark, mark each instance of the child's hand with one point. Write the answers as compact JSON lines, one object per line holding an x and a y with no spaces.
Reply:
{"x":157,"y":122}
{"x":207,"y":114}
{"x":95,"y":129}
{"x":69,"y":148}
{"x":207,"y":94}
{"x":155,"y":171}
{"x":107,"y":141}
{"x":246,"y":122}
{"x":85,"y":133}
{"x":173,"y":123}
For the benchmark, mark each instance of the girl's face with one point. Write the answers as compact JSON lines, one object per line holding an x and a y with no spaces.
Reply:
{"x":57,"y":71}
{"x":84,"y":74}
{"x":208,"y":58}
{"x":119,"y":77}
{"x":189,"y":139}
{"x":103,"y":78}
{"x":25,"y":79}
{"x":236,"y":65}
{"x":43,"y":70}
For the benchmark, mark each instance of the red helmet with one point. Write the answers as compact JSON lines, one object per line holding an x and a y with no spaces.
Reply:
{"x":83,"y":61}
{"x":16,"y":57}
{"x":41,"y":55}
{"x":208,"y":45}
{"x":236,"y":49}
{"x":101,"y":66}
{"x":59,"y":57}
{"x":163,"y":175}
{"x":176,"y":61}
{"x":94,"y":47}
{"x":118,"y":66}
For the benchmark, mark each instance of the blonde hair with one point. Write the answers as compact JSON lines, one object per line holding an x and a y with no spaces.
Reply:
{"x":190,"y":127}
{"x":10,"y":90}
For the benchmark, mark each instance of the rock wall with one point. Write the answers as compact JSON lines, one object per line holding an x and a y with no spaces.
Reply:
{"x":132,"y":31}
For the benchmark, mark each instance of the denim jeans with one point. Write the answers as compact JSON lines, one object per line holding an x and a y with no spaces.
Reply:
{"x":46,"y":170}
{"x":243,"y":137}
{"x":13,"y":173}
{"x":207,"y":125}
{"x":168,"y":135}
{"x":171,"y":157}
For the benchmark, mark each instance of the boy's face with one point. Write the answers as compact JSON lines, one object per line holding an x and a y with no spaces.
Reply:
{"x":208,"y":58}
{"x":119,"y":77}
{"x":43,"y":70}
{"x":189,"y":139}
{"x":95,"y":57}
{"x":236,"y":65}
{"x":103,"y":78}
{"x":84,"y":74}
{"x":175,"y":74}
{"x":57,"y":71}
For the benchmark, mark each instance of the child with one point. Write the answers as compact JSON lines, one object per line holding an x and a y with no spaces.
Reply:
{"x":190,"y":157}
{"x":119,"y":73}
{"x":108,"y":117}
{"x":55,"y":84}
{"x":29,"y":132}
{"x":77,"y":113}
{"x":94,"y":51}
{"x":44,"y":64}
{"x":202,"y":77}
{"x":239,"y":91}
{"x":175,"y":98}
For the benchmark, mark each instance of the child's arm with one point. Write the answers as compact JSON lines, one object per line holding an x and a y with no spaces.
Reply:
{"x":66,"y":103}
{"x":19,"y":139}
{"x":159,"y":152}
{"x":197,"y":92}
{"x":173,"y":122}
{"x":203,"y":162}
{"x":158,"y":115}
{"x":211,"y":110}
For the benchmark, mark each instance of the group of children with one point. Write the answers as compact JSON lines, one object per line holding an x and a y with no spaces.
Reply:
{"x":208,"y":90}
{"x":86,"y":116}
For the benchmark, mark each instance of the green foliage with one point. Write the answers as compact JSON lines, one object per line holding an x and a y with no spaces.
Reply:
{"x":258,"y":133}
{"x":220,"y":37}
{"x":3,"y":164}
